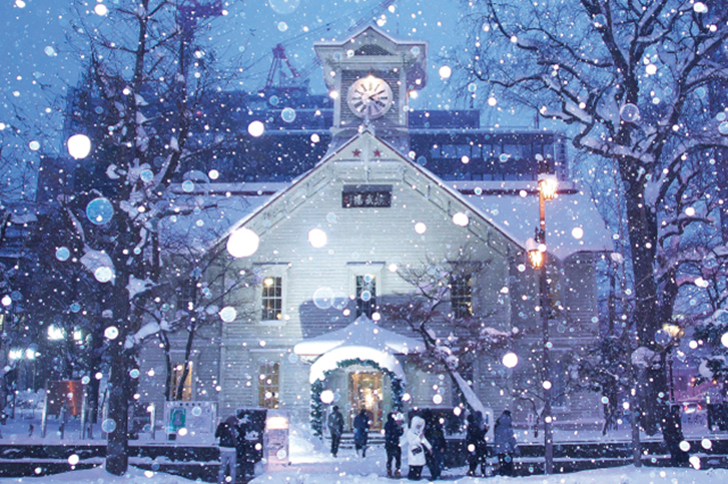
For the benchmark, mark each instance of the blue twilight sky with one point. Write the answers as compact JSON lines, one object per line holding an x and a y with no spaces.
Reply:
{"x":38,"y":62}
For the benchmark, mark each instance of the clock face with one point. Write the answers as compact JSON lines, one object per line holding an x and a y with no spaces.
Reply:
{"x":369,"y":97}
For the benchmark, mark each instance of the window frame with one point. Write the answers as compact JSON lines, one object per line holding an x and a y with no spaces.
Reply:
{"x":461,"y":303}
{"x":275,"y":366}
{"x":264,"y":272}
{"x":360,"y":269}
{"x":189,"y":386}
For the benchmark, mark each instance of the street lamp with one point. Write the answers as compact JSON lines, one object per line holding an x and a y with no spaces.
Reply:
{"x":547,"y":188}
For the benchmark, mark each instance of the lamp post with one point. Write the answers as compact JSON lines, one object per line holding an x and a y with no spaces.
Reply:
{"x":547,"y":186}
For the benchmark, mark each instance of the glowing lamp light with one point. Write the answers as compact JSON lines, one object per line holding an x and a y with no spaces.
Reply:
{"x":276,"y":423}
{"x":673,"y":330}
{"x":548,"y":186}
{"x":536,"y":257}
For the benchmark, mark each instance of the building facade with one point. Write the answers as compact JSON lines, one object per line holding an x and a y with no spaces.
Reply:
{"x":311,"y":271}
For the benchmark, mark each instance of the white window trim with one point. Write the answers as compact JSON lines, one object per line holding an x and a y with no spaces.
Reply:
{"x":272,"y":270}
{"x":270,"y":356}
{"x":363,"y":268}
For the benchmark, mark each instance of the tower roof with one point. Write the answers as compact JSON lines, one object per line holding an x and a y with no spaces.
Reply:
{"x":372,"y":46}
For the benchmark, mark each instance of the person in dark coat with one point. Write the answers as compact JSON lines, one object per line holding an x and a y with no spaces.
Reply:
{"x":227,"y":432}
{"x":336,"y":428}
{"x":392,"y":434}
{"x":361,"y":432}
{"x":243,"y":447}
{"x":505,"y":443}
{"x":475,"y":443}
{"x":436,"y":436}
{"x":673,"y":435}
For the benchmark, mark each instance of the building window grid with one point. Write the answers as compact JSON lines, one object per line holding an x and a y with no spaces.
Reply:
{"x":272,"y":298}
{"x":366,"y":295}
{"x":461,"y":295}
{"x":268,"y":384}
{"x":177,"y":372}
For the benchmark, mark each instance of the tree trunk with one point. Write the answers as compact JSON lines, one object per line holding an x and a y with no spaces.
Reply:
{"x":117,"y":447}
{"x":168,"y":362}
{"x":186,"y":370}
{"x":643,"y":241}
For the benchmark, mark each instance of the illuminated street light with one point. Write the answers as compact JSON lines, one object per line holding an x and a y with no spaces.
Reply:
{"x":536,"y":248}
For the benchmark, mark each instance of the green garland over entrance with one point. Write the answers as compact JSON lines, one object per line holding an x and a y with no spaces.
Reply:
{"x":317,"y":387}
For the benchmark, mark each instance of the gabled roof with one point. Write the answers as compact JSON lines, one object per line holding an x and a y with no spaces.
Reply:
{"x":362,"y":332}
{"x":368,"y":144}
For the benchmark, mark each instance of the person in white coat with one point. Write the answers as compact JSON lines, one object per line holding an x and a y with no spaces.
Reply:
{"x":417,"y":445}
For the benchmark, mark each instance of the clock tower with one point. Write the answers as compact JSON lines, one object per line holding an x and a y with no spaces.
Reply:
{"x":370,"y":77}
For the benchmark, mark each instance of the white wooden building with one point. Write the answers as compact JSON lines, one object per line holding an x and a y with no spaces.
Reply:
{"x":322,"y":255}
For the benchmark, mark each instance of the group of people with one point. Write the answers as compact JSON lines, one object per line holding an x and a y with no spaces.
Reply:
{"x":425,"y":440}
{"x":233,"y":449}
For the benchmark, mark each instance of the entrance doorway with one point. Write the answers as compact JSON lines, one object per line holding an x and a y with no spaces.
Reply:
{"x":365,"y":391}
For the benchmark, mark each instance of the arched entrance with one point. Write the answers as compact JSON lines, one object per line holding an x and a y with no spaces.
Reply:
{"x":353,"y":385}
{"x":357,"y":366}
{"x":366,"y":391}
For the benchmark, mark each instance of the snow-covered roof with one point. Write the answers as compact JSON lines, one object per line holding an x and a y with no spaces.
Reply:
{"x":363,"y":340}
{"x":199,"y":216}
{"x":573,"y":223}
{"x":362,"y":332}
{"x":332,"y":360}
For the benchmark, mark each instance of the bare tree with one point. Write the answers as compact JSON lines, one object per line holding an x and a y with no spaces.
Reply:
{"x":629,"y":79}
{"x":149,"y":76}
{"x":439,"y":309}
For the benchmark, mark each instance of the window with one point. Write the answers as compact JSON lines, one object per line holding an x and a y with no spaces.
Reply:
{"x":461,"y":295}
{"x":187,"y":294}
{"x":272,"y":298}
{"x":177,"y":372}
{"x":366,"y":295}
{"x":268,"y":384}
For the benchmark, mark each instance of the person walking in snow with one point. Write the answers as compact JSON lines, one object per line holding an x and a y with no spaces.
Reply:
{"x":436,"y":437}
{"x":227,"y":432}
{"x":475,"y":443}
{"x":417,"y":445}
{"x":361,"y":432}
{"x":505,"y":443}
{"x":392,"y":434}
{"x":336,"y":428}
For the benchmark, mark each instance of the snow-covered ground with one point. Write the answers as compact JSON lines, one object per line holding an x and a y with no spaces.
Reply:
{"x":311,"y":463}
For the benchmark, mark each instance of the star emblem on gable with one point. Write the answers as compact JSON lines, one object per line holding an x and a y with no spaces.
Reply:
{"x":377,"y":153}
{"x":357,"y":152}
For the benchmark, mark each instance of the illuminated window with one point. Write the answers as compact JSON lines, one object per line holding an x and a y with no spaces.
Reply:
{"x":366,"y":295}
{"x":461,"y":295}
{"x":177,"y":372}
{"x":268,"y":380}
{"x":272,"y":298}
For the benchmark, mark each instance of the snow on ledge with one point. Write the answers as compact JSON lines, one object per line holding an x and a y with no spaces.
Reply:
{"x":332,"y":360}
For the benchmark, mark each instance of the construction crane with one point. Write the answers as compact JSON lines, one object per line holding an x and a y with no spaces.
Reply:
{"x":277,"y":78}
